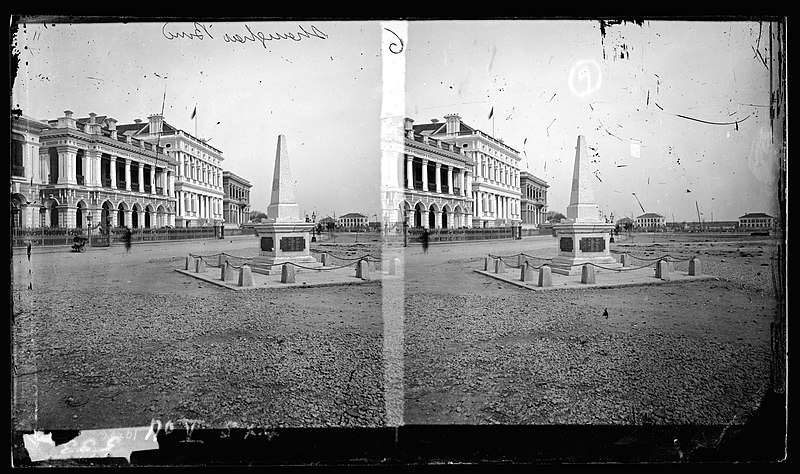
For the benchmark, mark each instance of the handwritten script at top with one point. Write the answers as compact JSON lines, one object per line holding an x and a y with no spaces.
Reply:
{"x":201,"y":31}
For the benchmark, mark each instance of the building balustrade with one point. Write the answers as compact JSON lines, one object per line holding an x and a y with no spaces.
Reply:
{"x":107,"y":182}
{"x":18,"y":171}
{"x":159,"y":190}
{"x":147,"y":188}
{"x":79,"y":179}
{"x":120,"y":184}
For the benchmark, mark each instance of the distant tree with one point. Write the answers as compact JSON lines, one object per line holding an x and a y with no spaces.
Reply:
{"x":257,"y":216}
{"x":555,"y":216}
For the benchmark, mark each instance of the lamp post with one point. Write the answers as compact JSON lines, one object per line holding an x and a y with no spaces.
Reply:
{"x":89,"y":227}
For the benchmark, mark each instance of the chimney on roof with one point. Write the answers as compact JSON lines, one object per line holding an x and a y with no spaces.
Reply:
{"x":112,"y":127}
{"x":93,"y":128}
{"x":434,"y":120}
{"x":453,"y":122}
{"x":67,"y":121}
{"x":137,"y":120}
{"x":408,"y":124}
{"x":156,"y":123}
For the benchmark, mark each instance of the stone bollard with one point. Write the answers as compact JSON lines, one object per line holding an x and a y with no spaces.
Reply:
{"x":324,"y":259}
{"x":526,"y":274}
{"x":499,"y":266}
{"x":545,"y":276}
{"x":394,"y":266}
{"x":624,"y":260}
{"x":245,"y":275}
{"x":662,"y":271}
{"x":223,"y":271}
{"x":486,"y":264}
{"x":287,"y":273}
{"x":362,"y":270}
{"x":695,"y":267}
{"x":222,"y":259}
{"x":520,"y":260}
{"x":200,"y":266}
{"x":587,"y":274}
{"x":189,"y":263}
{"x":670,"y":266}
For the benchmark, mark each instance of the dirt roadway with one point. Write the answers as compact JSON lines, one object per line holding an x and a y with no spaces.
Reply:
{"x":113,"y":339}
{"x":479,"y":351}
{"x":116,"y":339}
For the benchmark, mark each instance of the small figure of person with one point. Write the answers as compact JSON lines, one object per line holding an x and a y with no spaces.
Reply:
{"x":29,"y":250}
{"x":127,"y":239}
{"x":425,"y":239}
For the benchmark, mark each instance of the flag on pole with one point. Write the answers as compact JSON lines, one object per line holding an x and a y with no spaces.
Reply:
{"x":491,"y":113}
{"x":194,"y":112}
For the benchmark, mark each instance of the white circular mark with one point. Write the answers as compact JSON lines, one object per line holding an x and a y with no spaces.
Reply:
{"x":585,"y":78}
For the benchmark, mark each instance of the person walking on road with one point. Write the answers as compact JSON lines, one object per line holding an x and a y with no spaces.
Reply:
{"x":425,"y":239}
{"x":127,"y":239}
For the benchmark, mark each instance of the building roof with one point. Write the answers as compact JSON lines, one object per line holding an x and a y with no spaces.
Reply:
{"x":532,"y":177}
{"x":464,"y":129}
{"x":144,"y":128}
{"x":650,"y":215}
{"x":755,"y":215}
{"x":353,"y":215}
{"x":228,"y":176}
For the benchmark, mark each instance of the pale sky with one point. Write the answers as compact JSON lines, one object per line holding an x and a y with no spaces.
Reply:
{"x":703,"y":70}
{"x":548,"y":81}
{"x":323,"y":94}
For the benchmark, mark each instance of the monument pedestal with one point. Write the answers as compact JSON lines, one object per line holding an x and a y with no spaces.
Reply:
{"x":284,"y":242}
{"x":583,"y":242}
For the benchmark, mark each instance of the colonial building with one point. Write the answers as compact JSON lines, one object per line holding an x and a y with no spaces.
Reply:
{"x":533,"y":204}
{"x":352,"y":220}
{"x":88,"y":174}
{"x":650,"y":221}
{"x":436,"y":181}
{"x":236,"y":203}
{"x":26,"y":178}
{"x":495,"y":183}
{"x":756,"y":220}
{"x":198,"y":178}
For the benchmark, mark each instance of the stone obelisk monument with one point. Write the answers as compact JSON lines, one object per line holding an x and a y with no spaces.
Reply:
{"x":284,"y":237}
{"x":584,"y":237}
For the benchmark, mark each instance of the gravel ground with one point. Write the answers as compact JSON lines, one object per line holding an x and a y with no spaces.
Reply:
{"x":108,"y":339}
{"x":482,"y":352}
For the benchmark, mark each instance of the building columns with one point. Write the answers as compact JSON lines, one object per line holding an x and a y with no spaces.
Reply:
{"x":438,"y":177}
{"x":113,"y":171}
{"x":425,"y":175}
{"x":127,"y":174}
{"x":450,"y":189}
{"x":141,"y":177}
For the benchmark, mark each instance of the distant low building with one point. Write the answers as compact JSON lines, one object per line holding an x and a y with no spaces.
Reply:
{"x":650,"y":221}
{"x":236,"y":203}
{"x":352,"y":220}
{"x":756,"y":221}
{"x":533,"y":205}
